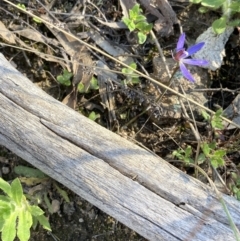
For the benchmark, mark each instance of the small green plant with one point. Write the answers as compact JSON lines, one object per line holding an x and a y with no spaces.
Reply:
{"x":229,"y":8}
{"x":209,"y":150}
{"x":35,"y":19}
{"x":93,"y":86}
{"x":64,"y":79}
{"x":17,"y":215}
{"x":93,"y":116}
{"x":184,"y":155}
{"x":131,"y":77}
{"x":138,"y":22}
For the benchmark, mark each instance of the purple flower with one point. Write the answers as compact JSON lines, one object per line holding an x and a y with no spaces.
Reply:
{"x":180,"y":55}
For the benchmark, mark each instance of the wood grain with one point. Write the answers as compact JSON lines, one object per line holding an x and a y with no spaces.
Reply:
{"x":162,"y":203}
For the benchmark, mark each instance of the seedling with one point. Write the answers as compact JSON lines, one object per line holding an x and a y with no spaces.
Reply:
{"x":93,"y":116}
{"x":64,"y":79}
{"x":228,"y":9}
{"x":93,"y":86}
{"x":138,"y":22}
{"x":17,"y":215}
{"x":210,"y":150}
{"x":131,"y":77}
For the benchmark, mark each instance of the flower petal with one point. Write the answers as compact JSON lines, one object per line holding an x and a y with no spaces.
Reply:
{"x":197,"y":62}
{"x":185,"y":72}
{"x":193,"y":49}
{"x":181,"y":41}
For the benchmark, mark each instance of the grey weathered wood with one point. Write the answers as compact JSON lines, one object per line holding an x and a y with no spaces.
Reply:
{"x":98,"y":165}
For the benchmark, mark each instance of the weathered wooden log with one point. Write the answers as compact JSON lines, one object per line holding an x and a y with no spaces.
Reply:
{"x":161,"y":203}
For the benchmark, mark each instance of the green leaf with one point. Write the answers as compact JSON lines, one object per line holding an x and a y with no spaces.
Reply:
{"x":203,"y":10}
{"x":44,"y":222}
{"x":9,"y":228}
{"x":135,"y":11}
{"x":206,"y":149}
{"x":129,"y":23}
{"x":219,"y":25}
{"x":29,"y":172}
{"x":140,"y":18}
{"x":93,"y":116}
{"x":235,"y":6}
{"x":5,"y":209}
{"x":188,"y":151}
{"x":65,"y":78}
{"x":219,"y":153}
{"x":22,"y":6}
{"x":213,"y":3}
{"x":62,"y":192}
{"x":6,"y":187}
{"x":47,"y":202}
{"x":35,"y":210}
{"x":17,"y":192}
{"x":205,"y":115}
{"x":141,"y":37}
{"x":24,"y":225}
{"x":94,"y":84}
{"x":234,"y":23}
{"x":201,"y":159}
{"x":144,"y":27}
{"x":81,"y":88}
{"x":37,"y":20}
{"x":217,"y":162}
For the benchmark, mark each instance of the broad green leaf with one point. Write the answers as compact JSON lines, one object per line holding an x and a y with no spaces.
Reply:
{"x":24,"y":225}
{"x":188,"y":151}
{"x":235,"y":6}
{"x":35,"y":210}
{"x":205,"y":148}
{"x":5,"y":198}
{"x":140,"y":18}
{"x":133,"y":65}
{"x":129,"y":23}
{"x":93,"y":116}
{"x":203,"y":10}
{"x":135,"y":11}
{"x":217,"y":162}
{"x":212,"y":145}
{"x":201,"y":159}
{"x":62,"y":192}
{"x":141,"y":37}
{"x":9,"y":228}
{"x":219,"y":25}
{"x":212,"y":3}
{"x":17,"y":192}
{"x":144,"y":27}
{"x":94,"y":84}
{"x":81,"y":88}
{"x":6,"y":187}
{"x":44,"y":222}
{"x":67,"y":74}
{"x":220,"y":153}
{"x":5,"y":208}
{"x":29,"y":172}
{"x":135,"y":80}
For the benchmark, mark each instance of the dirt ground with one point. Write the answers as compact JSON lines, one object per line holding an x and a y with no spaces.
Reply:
{"x":79,"y":220}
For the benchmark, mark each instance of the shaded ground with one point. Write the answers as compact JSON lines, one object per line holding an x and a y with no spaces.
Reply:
{"x":79,"y":220}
